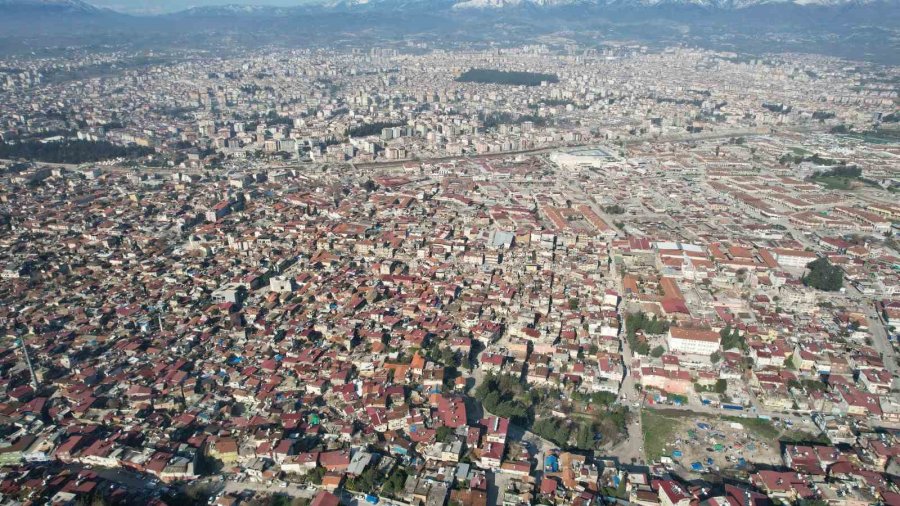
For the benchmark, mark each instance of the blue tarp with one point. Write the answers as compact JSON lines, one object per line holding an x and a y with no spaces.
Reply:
{"x":551,"y":462}
{"x":696,"y":466}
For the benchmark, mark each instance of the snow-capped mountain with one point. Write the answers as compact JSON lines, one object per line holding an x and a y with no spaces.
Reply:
{"x":62,"y":6}
{"x":251,"y":11}
{"x":711,"y":4}
{"x":512,"y":4}
{"x":237,"y":10}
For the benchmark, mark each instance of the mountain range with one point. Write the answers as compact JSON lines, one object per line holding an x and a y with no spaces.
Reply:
{"x":854,"y":29}
{"x":48,"y":7}
{"x":82,"y":7}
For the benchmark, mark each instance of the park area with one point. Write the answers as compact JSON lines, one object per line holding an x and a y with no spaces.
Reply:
{"x":699,"y":444}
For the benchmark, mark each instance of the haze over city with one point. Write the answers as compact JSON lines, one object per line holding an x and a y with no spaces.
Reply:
{"x":449,"y":252}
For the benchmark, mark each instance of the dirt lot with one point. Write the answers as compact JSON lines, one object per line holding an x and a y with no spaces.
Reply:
{"x":689,"y":439}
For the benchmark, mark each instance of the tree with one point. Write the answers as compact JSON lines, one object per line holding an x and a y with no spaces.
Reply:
{"x":642,"y":348}
{"x":71,"y":151}
{"x":639,"y":321}
{"x":315,"y":476}
{"x":731,"y":339}
{"x":823,"y":275}
{"x":395,"y":482}
{"x":492,"y":76}
{"x":372,"y":128}
{"x":657,"y":352}
{"x":811,"y":385}
{"x":443,"y":433}
{"x":502,"y":395}
{"x":584,"y":439}
{"x":365,"y":482}
{"x":449,"y":358}
{"x":280,"y":500}
{"x":721,"y":386}
{"x":597,"y":398}
{"x":715,"y":357}
{"x":552,"y":430}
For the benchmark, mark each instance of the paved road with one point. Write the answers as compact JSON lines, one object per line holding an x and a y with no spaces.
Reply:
{"x":395,"y":164}
{"x":593,"y":142}
{"x":70,"y":166}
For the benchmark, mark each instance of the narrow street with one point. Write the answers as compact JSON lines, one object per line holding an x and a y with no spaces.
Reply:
{"x":631,"y":449}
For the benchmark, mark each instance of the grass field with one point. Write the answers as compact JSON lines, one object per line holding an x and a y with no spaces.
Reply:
{"x":801,"y":436}
{"x":658,"y":430}
{"x":844,"y":183}
{"x":872,"y":138}
{"x":836,"y":183}
{"x":758,"y":426}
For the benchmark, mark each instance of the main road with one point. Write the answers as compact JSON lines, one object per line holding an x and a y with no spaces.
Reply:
{"x":549,"y":149}
{"x":399,"y":163}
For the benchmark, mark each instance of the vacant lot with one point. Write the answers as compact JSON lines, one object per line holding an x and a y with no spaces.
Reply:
{"x":714,"y":443}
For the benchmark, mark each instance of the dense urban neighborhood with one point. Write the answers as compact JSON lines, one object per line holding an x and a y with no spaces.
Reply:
{"x":422,"y":276}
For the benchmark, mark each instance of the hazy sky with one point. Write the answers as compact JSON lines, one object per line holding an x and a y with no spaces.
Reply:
{"x":157,"y":6}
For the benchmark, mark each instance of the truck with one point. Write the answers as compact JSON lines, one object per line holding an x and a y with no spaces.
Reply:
{"x":733,"y":407}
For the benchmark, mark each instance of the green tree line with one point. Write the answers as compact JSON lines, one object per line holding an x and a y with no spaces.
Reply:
{"x":490,"y":76}
{"x":75,"y":151}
